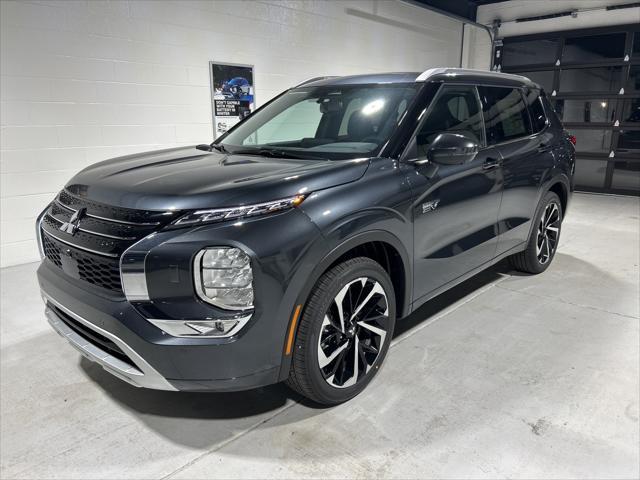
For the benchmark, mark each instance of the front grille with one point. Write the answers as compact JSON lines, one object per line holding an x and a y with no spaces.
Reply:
{"x":111,"y":213}
{"x":92,"y":336}
{"x":91,"y":247}
{"x":94,"y":269}
{"x":52,"y":252}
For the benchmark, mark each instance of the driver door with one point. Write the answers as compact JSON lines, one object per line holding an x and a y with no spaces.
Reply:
{"x":455,"y":207}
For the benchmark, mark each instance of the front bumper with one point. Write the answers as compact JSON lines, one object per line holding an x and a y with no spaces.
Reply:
{"x":251,"y":358}
{"x":152,"y":359}
{"x":137,"y":371}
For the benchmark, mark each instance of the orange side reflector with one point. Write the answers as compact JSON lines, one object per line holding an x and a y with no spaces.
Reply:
{"x":292,"y":330}
{"x":297,"y":200}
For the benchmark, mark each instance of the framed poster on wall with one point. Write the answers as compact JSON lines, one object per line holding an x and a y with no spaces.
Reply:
{"x":232,"y":94}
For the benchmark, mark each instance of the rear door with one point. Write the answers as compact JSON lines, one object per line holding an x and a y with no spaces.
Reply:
{"x":517,"y":126}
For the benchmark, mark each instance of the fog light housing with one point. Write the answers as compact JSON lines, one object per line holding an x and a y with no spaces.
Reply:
{"x":223,"y":277}
{"x":209,"y":328}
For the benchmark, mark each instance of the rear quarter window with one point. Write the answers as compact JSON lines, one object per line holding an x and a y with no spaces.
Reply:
{"x":505,"y":114}
{"x":536,"y":110}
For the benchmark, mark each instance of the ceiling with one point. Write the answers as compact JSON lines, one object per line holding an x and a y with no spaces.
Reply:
{"x":462,"y":8}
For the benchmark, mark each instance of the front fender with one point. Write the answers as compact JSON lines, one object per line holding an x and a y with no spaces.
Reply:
{"x":347,"y":218}
{"x":379,"y":208}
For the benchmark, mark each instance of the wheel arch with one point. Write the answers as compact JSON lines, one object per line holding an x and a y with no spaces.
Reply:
{"x":558,"y":184}
{"x":379,"y":245}
{"x":560,"y":188}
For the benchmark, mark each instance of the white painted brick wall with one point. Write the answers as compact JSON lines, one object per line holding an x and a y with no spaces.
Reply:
{"x":83,"y":81}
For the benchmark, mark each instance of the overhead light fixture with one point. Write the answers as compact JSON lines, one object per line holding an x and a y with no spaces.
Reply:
{"x":373,"y":107}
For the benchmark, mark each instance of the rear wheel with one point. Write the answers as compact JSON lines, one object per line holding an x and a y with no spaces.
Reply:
{"x":544,"y":237}
{"x":344,"y":332}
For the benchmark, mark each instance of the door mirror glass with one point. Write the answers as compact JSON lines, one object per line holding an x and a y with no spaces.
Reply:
{"x":452,"y":149}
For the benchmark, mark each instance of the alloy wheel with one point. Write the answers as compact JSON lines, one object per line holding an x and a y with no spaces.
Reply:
{"x":353,"y":332}
{"x":548,"y":233}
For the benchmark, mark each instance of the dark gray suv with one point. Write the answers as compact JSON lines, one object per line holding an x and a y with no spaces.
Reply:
{"x":288,"y":248}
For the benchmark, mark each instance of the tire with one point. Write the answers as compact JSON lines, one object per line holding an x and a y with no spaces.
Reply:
{"x":543,"y":241}
{"x":360,"y":281}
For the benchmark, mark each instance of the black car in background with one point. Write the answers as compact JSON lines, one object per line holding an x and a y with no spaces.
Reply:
{"x":288,"y":248}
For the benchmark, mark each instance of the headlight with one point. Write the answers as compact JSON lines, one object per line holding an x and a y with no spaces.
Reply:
{"x":225,"y":214}
{"x":223,"y":277}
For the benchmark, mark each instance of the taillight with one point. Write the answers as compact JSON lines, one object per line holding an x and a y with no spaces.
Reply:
{"x":573,"y":139}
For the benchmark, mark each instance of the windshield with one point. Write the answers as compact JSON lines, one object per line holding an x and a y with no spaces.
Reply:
{"x":329,"y":122}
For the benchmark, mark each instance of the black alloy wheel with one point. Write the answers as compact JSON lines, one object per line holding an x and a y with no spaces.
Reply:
{"x":344,"y":332}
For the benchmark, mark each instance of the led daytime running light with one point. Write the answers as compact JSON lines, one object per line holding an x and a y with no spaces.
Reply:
{"x":231,"y":213}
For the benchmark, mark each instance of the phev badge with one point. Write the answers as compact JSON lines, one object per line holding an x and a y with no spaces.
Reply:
{"x":430,"y":206}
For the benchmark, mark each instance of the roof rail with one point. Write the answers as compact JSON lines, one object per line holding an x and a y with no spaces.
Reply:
{"x":314,"y":79}
{"x":424,"y":76}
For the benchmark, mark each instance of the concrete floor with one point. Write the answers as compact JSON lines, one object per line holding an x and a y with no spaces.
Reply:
{"x":505,"y":376}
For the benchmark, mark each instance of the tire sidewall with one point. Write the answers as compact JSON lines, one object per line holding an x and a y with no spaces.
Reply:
{"x":328,"y":393}
{"x":549,"y":197}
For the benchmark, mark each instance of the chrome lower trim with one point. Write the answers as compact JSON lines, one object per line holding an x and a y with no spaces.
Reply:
{"x":141,"y":374}
{"x":181,"y":329}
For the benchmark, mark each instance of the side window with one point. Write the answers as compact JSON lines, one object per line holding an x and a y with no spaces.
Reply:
{"x":536,"y":110}
{"x":455,"y":109}
{"x":505,"y":114}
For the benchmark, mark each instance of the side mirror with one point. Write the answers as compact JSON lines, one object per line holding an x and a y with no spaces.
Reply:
{"x":452,"y":149}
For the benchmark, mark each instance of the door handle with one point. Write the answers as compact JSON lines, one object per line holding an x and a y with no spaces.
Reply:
{"x":491,"y":163}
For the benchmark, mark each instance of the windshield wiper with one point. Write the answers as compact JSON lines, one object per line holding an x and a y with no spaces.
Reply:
{"x":220,"y":147}
{"x":268,"y":152}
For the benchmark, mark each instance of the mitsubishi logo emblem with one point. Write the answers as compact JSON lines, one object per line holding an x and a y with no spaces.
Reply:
{"x":71,"y":227}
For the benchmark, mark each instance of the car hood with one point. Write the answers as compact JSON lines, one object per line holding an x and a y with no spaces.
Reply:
{"x":188,"y":178}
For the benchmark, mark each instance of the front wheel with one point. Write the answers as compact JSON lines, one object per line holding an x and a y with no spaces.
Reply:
{"x":344,"y":332}
{"x":544,"y":237}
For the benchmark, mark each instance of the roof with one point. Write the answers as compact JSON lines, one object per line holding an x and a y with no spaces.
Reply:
{"x":399,"y":77}
{"x":432,"y":74}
